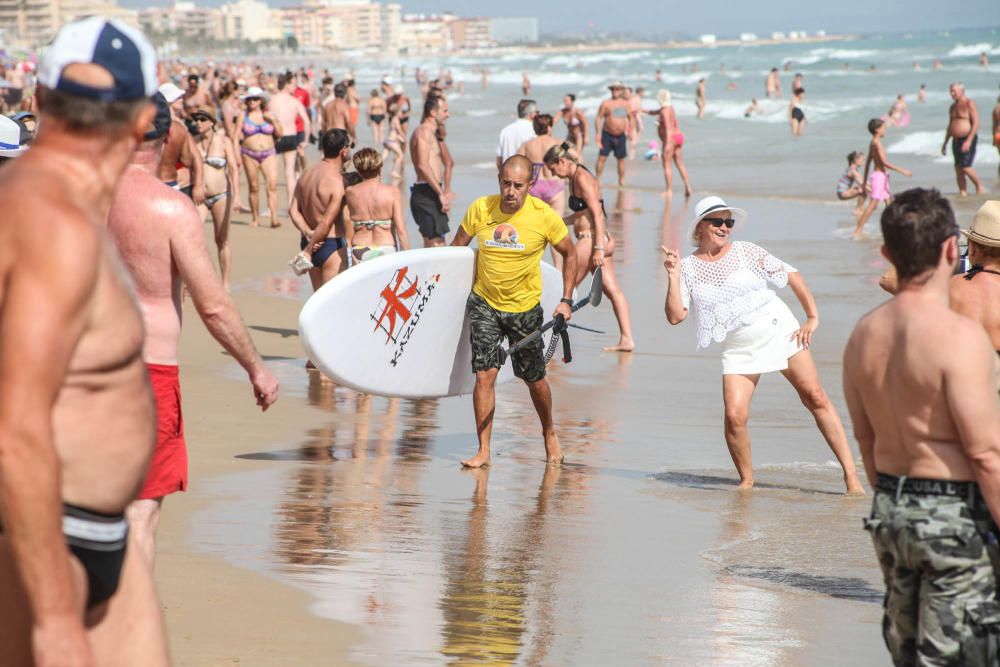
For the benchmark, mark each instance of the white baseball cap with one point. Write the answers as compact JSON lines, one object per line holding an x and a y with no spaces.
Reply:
{"x":171,"y":93}
{"x":118,"y":48}
{"x":10,"y":138}
{"x":387,"y":80}
{"x":254,"y":91}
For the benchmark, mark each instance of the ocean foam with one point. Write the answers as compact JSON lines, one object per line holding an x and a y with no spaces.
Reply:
{"x":928,"y":144}
{"x":973,"y":50}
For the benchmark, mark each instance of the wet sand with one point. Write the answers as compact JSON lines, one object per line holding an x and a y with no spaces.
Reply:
{"x":341,"y":527}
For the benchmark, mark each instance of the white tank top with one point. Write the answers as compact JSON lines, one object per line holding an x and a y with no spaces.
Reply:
{"x":728,"y":292}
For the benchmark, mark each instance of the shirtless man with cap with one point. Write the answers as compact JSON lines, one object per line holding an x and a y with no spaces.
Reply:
{"x":927,"y":420}
{"x":963,"y":126}
{"x":612,"y":127}
{"x":76,"y":413}
{"x":158,"y":233}
{"x":180,"y":149}
{"x":317,"y":208}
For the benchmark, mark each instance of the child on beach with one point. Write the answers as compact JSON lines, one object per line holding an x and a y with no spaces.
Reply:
{"x":878,"y":184}
{"x":850,"y":183}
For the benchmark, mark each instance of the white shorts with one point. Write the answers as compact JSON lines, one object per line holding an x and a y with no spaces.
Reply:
{"x":763,"y":346}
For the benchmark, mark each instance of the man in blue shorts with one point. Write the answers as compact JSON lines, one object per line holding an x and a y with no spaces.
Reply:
{"x":612,"y":128}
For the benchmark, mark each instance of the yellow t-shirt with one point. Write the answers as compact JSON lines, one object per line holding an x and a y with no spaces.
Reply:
{"x":508,"y":266}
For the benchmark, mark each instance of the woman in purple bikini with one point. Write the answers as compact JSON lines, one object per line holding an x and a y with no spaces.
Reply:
{"x":544,"y":184}
{"x":256,"y":135}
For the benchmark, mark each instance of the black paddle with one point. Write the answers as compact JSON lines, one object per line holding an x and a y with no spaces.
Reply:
{"x":558,"y":323}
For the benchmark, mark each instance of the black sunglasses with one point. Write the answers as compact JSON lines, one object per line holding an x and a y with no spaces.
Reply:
{"x":718,"y":222}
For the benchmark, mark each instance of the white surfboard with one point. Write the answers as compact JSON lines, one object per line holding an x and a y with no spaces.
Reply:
{"x":396,"y":325}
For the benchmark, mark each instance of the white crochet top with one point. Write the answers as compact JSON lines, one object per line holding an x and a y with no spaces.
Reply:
{"x":729,"y":291}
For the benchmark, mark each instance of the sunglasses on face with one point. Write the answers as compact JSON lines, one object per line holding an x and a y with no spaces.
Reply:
{"x":718,"y":222}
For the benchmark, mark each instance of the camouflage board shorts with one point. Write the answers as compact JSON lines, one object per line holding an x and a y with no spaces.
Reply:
{"x":487,"y":328}
{"x":938,"y":556}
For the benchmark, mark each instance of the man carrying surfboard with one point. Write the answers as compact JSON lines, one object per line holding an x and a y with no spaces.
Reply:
{"x":512,"y":230}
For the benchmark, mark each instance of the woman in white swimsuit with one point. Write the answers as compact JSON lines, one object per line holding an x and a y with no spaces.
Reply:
{"x":576,"y":123}
{"x":376,"y":225}
{"x":727,"y":284}
{"x":220,"y":174}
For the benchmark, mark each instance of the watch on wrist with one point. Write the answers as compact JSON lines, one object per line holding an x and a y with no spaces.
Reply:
{"x":566,"y":300}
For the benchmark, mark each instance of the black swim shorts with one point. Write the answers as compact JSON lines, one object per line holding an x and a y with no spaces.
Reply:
{"x":487,"y":328}
{"x":425,"y":205}
{"x":287,"y":143}
{"x":964,"y":158}
{"x":618,"y":144}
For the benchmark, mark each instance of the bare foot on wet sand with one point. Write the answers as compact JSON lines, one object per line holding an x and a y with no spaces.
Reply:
{"x":854,"y":487}
{"x":745,"y":485}
{"x":624,"y":345}
{"x":480,"y":460}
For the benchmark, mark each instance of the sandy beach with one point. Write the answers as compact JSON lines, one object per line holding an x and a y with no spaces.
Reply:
{"x":340,"y":529}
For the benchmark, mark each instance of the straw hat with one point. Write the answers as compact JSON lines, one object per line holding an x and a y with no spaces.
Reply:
{"x":207,"y":112}
{"x":985,"y":229}
{"x":616,"y":84}
{"x":663,"y":97}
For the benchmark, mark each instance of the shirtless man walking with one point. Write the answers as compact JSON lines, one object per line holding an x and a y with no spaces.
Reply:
{"x":180,"y":148}
{"x":286,"y":110}
{"x":158,"y":233}
{"x":195,"y":96}
{"x":772,"y":85}
{"x":963,"y":124}
{"x":337,"y":112}
{"x":611,"y":129}
{"x":927,"y":420}
{"x":317,"y":208}
{"x":430,"y":196}
{"x":76,"y":412}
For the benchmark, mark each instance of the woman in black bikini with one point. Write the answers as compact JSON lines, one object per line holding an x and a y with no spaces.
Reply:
{"x":588,"y":218}
{"x":376,"y":117}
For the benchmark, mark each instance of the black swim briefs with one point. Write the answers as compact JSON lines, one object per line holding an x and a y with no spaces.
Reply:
{"x":425,"y":205}
{"x":611,"y":142}
{"x":326,"y":250}
{"x":287,"y":143}
{"x":964,"y":158}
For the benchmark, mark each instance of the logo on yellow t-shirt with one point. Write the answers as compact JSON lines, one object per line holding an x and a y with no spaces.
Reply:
{"x":505,"y":236}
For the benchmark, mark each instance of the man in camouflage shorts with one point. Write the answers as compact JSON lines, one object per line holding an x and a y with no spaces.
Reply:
{"x":512,"y":229}
{"x":927,"y":420}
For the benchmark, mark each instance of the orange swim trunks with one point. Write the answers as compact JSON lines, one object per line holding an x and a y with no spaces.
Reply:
{"x":168,"y":469}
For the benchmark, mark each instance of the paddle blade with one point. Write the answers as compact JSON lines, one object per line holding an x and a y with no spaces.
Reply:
{"x":597,"y":288}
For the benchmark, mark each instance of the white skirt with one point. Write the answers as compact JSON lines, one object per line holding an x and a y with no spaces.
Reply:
{"x":763,"y":346}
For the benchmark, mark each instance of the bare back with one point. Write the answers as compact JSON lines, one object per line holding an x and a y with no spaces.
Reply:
{"x":535,"y":150}
{"x":372,"y":200}
{"x":173,"y":149}
{"x":102,"y":417}
{"x":897,"y":368}
{"x":977,"y":299}
{"x":319,"y":185}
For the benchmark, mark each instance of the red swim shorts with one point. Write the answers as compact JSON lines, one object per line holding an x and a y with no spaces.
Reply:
{"x":168,"y":469}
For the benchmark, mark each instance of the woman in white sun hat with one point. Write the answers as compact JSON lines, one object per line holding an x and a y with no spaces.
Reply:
{"x":726,"y":282}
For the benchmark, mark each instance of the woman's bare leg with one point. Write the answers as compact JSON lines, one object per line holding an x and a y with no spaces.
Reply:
{"x":737,"y":391}
{"x":252,"y":168}
{"x":679,"y":161}
{"x":221,"y":211}
{"x":270,"y":169}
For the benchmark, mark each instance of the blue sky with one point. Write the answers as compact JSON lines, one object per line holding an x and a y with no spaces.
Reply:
{"x":715,"y":16}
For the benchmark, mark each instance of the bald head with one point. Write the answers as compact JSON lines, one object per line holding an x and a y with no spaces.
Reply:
{"x":515,"y":179}
{"x":516,"y":164}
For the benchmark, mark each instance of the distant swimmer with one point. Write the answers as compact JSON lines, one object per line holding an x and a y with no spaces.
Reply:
{"x":76,"y":410}
{"x":727,"y":285}
{"x":673,"y":141}
{"x":772,"y":85}
{"x":921,"y":386}
{"x":797,"y":81}
{"x":512,"y":230}
{"x":922,"y":94}
{"x":430,"y":199}
{"x":611,"y":129}
{"x":936,"y":65}
{"x":594,"y":244}
{"x":899,"y":115}
{"x":699,"y":98}
{"x":635,"y":101}
{"x":544,"y":185}
{"x":876,"y":176}
{"x":851,"y":185}
{"x":659,"y":76}
{"x":984,"y":60}
{"x":377,"y":226}
{"x":525,"y":84}
{"x":754,"y":108}
{"x":158,"y":234}
{"x":317,"y":209}
{"x":576,"y":123}
{"x":963,"y":126}
{"x":796,"y":111}
{"x":485,"y":73}
{"x":376,"y":116}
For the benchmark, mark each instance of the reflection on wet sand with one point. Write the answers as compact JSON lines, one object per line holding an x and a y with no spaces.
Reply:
{"x":490,"y":585}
